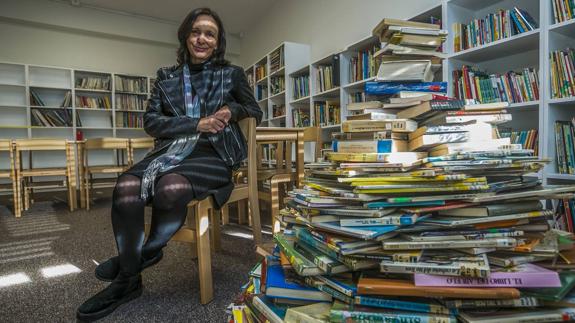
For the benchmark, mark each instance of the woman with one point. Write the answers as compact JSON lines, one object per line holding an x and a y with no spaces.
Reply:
{"x":193,"y":113}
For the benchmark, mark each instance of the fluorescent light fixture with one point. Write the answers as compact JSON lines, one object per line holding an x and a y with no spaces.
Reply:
{"x":14,"y":279}
{"x":60,"y":270}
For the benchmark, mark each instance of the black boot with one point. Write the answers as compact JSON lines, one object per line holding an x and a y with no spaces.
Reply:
{"x":122,"y":290}
{"x":109,"y":269}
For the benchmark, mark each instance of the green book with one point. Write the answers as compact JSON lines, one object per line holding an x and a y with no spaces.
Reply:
{"x":556,"y":293}
{"x":302,"y":265}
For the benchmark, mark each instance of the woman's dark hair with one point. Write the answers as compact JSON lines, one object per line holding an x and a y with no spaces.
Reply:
{"x":186,"y":29}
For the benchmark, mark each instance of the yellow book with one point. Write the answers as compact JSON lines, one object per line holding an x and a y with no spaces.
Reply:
{"x":424,"y":189}
{"x":446,"y":178}
{"x":410,"y":177}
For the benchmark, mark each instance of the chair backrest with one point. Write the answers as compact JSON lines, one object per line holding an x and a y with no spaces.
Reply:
{"x":313,"y":134}
{"x":248,"y":127}
{"x":142,"y":143}
{"x":107,"y":143}
{"x":40,"y":144}
{"x":5,"y":145}
{"x":285,"y":139}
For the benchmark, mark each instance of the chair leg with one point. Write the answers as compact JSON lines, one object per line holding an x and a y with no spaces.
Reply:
{"x":275,"y":206}
{"x":18,"y":198}
{"x":191,"y":224}
{"x":204,"y":257}
{"x":215,"y":240}
{"x":255,"y":218}
{"x":225,"y":211}
{"x":26,"y":196}
{"x":242,"y":218}
{"x":88,"y":188}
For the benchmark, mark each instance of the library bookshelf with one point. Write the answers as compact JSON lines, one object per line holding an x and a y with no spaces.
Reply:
{"x":57,"y":102}
{"x":530,"y":49}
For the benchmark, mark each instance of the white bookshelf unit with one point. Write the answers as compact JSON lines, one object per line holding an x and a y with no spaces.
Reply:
{"x":270,"y":77}
{"x":528,"y":49}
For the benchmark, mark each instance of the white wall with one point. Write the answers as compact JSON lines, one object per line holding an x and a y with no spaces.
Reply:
{"x":327,"y":25}
{"x":45,"y":32}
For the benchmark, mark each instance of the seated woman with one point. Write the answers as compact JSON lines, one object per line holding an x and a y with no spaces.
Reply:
{"x":192,"y":114}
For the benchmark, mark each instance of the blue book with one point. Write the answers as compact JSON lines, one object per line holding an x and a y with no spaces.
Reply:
{"x":380,"y":146}
{"x":412,"y":305}
{"x":387,"y":88}
{"x":516,"y":21}
{"x":365,"y":233}
{"x":278,"y":287}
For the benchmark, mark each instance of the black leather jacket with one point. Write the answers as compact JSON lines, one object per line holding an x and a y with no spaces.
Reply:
{"x":165,"y":117}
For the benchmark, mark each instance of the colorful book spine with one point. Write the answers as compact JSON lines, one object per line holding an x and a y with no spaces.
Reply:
{"x":300,"y":85}
{"x":563,"y":10}
{"x":388,"y":88}
{"x":411,"y":306}
{"x":562,"y":71}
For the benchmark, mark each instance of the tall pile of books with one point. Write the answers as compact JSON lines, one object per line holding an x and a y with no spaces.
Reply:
{"x":422,"y":215}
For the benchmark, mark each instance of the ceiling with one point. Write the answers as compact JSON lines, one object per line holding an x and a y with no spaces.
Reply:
{"x":237,"y":15}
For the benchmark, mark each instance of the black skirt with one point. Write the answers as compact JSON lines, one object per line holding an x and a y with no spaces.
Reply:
{"x":204,"y":169}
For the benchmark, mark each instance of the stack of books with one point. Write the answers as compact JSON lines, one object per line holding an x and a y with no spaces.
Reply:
{"x":408,"y":50}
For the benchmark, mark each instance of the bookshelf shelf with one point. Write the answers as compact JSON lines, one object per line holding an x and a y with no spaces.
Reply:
{"x":277,"y":118}
{"x":264,"y":100}
{"x":564,"y":101}
{"x":301,"y":71}
{"x":531,"y":105}
{"x":13,"y":84}
{"x":131,"y":93}
{"x":95,"y":128}
{"x":94,"y":109}
{"x":279,"y":95}
{"x":569,"y":177}
{"x":566,"y":28}
{"x":333,"y":126}
{"x":127,"y":128}
{"x":358,"y":84}
{"x":523,"y":42}
{"x":15,"y":106}
{"x":92,"y":90}
{"x":262,"y":80}
{"x":50,"y":87}
{"x":331,"y":93}
{"x":51,"y":128}
{"x":48,"y":107}
{"x":279,"y":72}
{"x":131,"y":111}
{"x":302,"y":100}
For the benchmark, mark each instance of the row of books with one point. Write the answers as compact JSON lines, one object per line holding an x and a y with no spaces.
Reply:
{"x":129,"y":120}
{"x":94,"y":83}
{"x":562,"y":63}
{"x":529,"y":139}
{"x":36,"y":99}
{"x":130,"y":84}
{"x":327,"y":76}
{"x":277,"y":85}
{"x":277,"y":59}
{"x":513,"y":87}
{"x":52,"y":118}
{"x":261,"y":92}
{"x":327,"y":113}
{"x":565,"y":215}
{"x":260,"y":72}
{"x":130,"y":102}
{"x":495,"y":26}
{"x":364,"y":65}
{"x":278,"y":110}
{"x":301,"y":118}
{"x":300,"y":85}
{"x":250,"y":78}
{"x":94,"y":102}
{"x":565,"y":146}
{"x":563,"y":10}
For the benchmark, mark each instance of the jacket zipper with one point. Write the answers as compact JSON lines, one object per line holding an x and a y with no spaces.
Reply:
{"x":168,"y":98}
{"x":221,"y":102}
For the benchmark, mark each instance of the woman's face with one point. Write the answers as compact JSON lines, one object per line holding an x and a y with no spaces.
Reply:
{"x":203,"y":39}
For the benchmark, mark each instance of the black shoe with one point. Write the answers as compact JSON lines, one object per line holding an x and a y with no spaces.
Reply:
{"x":120,"y":291}
{"x":109,"y":269}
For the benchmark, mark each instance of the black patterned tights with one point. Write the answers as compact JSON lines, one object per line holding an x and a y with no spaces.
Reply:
{"x":172,"y":193}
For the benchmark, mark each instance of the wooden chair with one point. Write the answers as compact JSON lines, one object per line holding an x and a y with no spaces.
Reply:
{"x":24,"y":184}
{"x":10,"y":173}
{"x":313,"y":134}
{"x":202,"y":213}
{"x":121,"y":148}
{"x":138,"y":143}
{"x":285,"y":171}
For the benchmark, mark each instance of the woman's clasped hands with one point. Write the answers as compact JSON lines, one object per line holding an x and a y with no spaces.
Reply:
{"x":215,"y":122}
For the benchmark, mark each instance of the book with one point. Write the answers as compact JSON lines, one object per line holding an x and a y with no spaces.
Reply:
{"x":369,"y":146}
{"x":364,"y":105}
{"x":313,"y":313}
{"x":526,"y":275}
{"x":462,"y":221}
{"x":397,"y":125}
{"x":271,"y":312}
{"x":376,"y":135}
{"x":302,"y":265}
{"x":418,"y":41}
{"x":519,"y":315}
{"x":395,"y":287}
{"x":427,"y":109}
{"x":387,"y":88}
{"x":447,"y":244}
{"x":277,"y":286}
{"x":405,"y":70}
{"x":425,"y":142}
{"x":328,"y":265}
{"x":384,"y":25}
{"x":510,"y":259}
{"x":365,"y":233}
{"x":371,"y":116}
{"x":494,"y":209}
{"x":433,"y":130}
{"x":409,"y":52}
{"x":403,"y":219}
{"x":439,"y":263}
{"x":411,"y":304}
{"x":492,"y":303}
{"x":343,"y":313}
{"x":553,"y":293}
